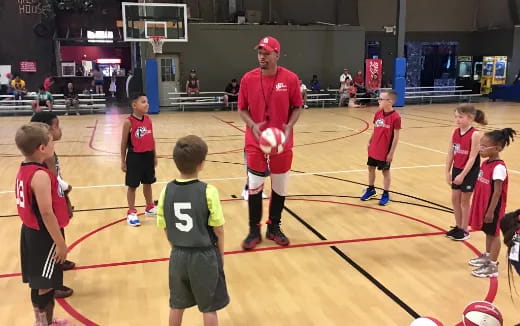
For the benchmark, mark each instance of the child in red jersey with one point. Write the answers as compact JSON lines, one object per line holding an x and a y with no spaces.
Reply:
{"x":490,"y":198}
{"x":463,"y":165}
{"x":382,"y":145}
{"x":43,"y":210}
{"x":138,"y":158}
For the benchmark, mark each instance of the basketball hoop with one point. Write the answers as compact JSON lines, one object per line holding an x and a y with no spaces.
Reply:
{"x":157,"y":43}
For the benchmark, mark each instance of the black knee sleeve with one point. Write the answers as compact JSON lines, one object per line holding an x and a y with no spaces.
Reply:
{"x":41,"y":301}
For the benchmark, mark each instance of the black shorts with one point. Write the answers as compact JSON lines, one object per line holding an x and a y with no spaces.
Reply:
{"x":197,"y":278}
{"x":39,"y":268}
{"x":140,"y":168}
{"x":381,"y":165}
{"x":493,"y":228}
{"x":232,"y":98}
{"x":468,"y":184}
{"x":42,"y":103}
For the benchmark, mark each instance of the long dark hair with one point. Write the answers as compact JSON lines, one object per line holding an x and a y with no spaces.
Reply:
{"x":509,"y":225}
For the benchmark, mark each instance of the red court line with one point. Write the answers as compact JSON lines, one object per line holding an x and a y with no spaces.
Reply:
{"x":229,"y":123}
{"x":234,"y":252}
{"x":71,"y":311}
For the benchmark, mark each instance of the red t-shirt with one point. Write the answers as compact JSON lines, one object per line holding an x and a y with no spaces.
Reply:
{"x":358,"y":79}
{"x":141,"y":135}
{"x":281,"y":93}
{"x":384,"y":126}
{"x":483,"y":192}
{"x":26,"y":201}
{"x":461,"y":147}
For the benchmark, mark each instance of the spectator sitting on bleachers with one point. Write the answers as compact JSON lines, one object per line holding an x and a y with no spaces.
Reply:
{"x":71,"y":98}
{"x":303,"y":90}
{"x":43,"y":98}
{"x":315,"y":84}
{"x":231,"y":92}
{"x":344,"y":76}
{"x":193,"y":84}
{"x":358,"y":80}
{"x":18,"y":86}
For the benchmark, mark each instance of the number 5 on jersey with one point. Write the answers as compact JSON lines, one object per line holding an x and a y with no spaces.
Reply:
{"x":188,"y":221}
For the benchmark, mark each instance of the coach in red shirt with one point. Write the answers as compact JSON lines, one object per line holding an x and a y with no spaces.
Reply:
{"x":269,"y":96}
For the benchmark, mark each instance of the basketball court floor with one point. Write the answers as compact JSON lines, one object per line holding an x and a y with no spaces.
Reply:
{"x":349,"y":262}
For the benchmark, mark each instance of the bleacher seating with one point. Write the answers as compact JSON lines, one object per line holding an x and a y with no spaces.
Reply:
{"x":88,"y":103}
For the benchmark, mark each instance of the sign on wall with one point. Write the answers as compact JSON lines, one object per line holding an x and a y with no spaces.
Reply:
{"x":33,"y":7}
{"x":28,"y":66}
{"x":373,"y":73}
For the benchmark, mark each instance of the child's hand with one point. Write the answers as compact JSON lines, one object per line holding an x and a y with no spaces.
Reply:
{"x":123,"y":166}
{"x":458,"y":180}
{"x":488,"y":218}
{"x":61,"y":253}
{"x":448,"y":178}
{"x":389,"y":157}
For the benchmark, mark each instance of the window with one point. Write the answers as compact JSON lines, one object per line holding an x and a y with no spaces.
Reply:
{"x":168,"y":69}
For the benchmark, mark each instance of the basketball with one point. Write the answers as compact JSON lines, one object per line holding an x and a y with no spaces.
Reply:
{"x":482,"y":313}
{"x":272,"y":140}
{"x":426,"y":321}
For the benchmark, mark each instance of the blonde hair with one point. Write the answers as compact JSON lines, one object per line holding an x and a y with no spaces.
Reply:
{"x":30,"y":136}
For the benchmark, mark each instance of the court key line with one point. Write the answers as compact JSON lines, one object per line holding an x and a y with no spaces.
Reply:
{"x":243,"y":178}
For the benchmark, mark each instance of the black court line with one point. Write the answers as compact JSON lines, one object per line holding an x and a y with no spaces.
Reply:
{"x":356,"y":266}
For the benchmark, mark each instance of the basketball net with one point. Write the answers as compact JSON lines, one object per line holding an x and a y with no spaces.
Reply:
{"x":157,"y":43}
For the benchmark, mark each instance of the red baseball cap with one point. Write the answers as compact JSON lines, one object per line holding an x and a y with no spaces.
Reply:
{"x":269,"y":43}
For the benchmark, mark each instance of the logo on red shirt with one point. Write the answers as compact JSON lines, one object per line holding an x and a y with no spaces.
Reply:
{"x":141,"y":131}
{"x":281,"y":87}
{"x":457,"y":150}
{"x":381,"y":123}
{"x":481,"y":178}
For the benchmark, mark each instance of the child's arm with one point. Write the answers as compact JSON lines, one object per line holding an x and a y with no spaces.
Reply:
{"x":475,"y":147}
{"x":390,"y":156}
{"x":216,"y":216}
{"x":219,"y":232}
{"x":124,"y":143}
{"x":449,"y":163}
{"x":497,"y":191}
{"x":41,"y":187}
{"x":161,"y":221}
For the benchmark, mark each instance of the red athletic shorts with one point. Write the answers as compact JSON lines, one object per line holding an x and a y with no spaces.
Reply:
{"x":278,"y":164}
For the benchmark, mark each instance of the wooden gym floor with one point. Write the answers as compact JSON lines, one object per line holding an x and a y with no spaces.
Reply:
{"x":349,"y":263}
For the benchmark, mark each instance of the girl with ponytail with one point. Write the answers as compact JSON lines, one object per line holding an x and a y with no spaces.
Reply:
{"x":490,"y":198}
{"x":462,"y":166}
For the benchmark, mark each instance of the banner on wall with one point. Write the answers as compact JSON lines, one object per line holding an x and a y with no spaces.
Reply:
{"x":373,"y":73}
{"x":28,"y":66}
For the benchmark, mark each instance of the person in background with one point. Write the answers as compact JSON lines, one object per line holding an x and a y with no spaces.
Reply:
{"x":231,"y":92}
{"x":192,"y":84}
{"x":358,"y":80}
{"x":98,"y":80}
{"x":315,"y":84}
{"x":18,"y":86}
{"x":43,"y":98}
{"x":48,"y":83}
{"x":344,"y":76}
{"x":303,"y":90}
{"x":71,"y":99}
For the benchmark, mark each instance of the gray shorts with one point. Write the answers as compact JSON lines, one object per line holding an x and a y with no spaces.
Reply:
{"x":197,"y":278}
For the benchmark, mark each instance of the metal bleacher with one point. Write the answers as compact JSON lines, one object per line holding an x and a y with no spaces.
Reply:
{"x":88,"y":103}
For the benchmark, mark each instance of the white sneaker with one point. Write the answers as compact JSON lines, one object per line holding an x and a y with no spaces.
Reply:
{"x":151,"y":212}
{"x":132,"y":219}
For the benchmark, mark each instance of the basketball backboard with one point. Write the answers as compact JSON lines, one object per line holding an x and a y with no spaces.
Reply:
{"x":142,"y":20}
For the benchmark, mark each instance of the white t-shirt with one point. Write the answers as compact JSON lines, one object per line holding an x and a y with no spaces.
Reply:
{"x":344,"y":76}
{"x":303,"y":88}
{"x":499,"y":172}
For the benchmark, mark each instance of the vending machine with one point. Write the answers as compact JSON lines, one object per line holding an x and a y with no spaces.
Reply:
{"x":493,"y":72}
